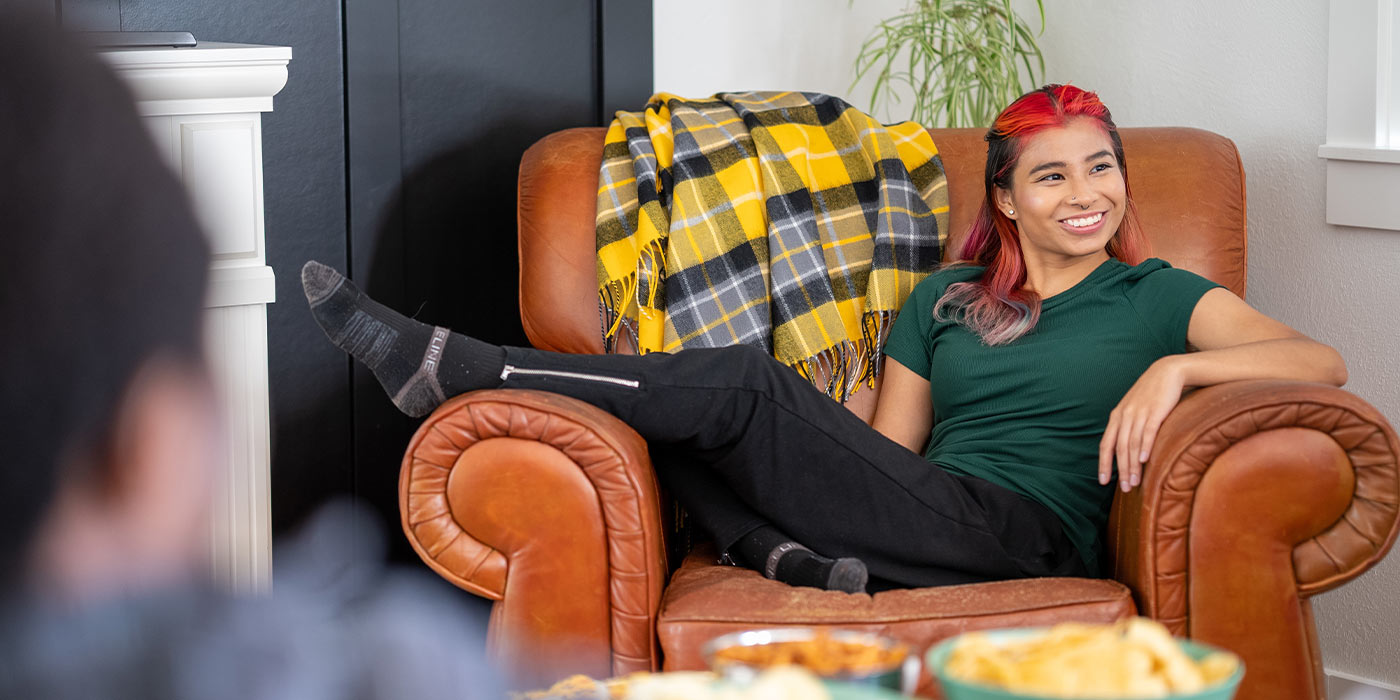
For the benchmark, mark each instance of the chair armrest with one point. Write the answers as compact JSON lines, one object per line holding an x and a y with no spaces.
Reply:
{"x":1257,"y":495}
{"x":549,"y":506}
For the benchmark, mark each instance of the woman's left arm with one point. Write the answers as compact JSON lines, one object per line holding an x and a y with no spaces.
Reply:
{"x":1233,"y":342}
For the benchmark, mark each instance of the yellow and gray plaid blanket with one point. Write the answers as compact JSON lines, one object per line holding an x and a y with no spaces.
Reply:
{"x":786,"y":220}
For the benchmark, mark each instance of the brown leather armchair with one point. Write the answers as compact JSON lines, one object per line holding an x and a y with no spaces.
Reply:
{"x":1257,"y":495}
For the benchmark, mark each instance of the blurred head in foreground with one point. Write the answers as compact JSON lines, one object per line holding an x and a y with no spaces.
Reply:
{"x":106,"y":416}
{"x":108,"y":445}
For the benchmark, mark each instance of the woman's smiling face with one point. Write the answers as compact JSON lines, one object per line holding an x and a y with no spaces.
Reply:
{"x":1067,"y":194}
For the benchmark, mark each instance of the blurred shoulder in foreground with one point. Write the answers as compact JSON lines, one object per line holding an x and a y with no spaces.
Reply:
{"x":110,"y":437}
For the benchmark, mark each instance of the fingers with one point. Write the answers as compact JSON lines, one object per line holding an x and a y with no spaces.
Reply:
{"x":1133,"y":424}
{"x":1149,"y":438}
{"x":1127,"y":441}
{"x":1136,"y":455}
{"x":1123,"y":451}
{"x":1106,"y":446}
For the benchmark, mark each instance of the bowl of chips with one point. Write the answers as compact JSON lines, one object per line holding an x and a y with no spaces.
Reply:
{"x":1135,"y":658}
{"x":839,"y":655}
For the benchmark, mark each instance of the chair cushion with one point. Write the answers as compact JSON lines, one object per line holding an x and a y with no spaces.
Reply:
{"x":706,"y":600}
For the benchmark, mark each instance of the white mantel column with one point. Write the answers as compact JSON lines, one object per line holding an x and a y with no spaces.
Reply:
{"x":203,"y":106}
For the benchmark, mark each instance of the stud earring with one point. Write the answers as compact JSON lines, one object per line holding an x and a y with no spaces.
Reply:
{"x":1010,"y":212}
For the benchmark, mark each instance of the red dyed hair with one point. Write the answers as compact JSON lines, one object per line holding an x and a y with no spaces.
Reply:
{"x":998,"y":307}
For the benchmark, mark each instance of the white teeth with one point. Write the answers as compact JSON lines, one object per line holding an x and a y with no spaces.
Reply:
{"x":1086,"y":221}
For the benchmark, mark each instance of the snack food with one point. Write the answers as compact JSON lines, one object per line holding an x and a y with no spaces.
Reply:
{"x":821,"y":652}
{"x":576,"y":687}
{"x":1136,"y":658}
{"x":581,"y":687}
{"x":785,"y":683}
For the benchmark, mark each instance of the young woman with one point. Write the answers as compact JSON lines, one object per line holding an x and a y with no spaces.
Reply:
{"x":1024,"y":374}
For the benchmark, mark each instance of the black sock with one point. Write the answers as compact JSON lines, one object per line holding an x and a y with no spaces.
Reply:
{"x":419,"y":366}
{"x":777,"y":556}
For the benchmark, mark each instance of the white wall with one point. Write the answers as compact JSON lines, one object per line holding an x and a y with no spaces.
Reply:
{"x":701,"y":48}
{"x":1253,"y":70}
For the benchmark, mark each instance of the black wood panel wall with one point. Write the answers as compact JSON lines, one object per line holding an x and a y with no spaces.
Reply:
{"x":432,"y":183}
{"x":392,"y":153}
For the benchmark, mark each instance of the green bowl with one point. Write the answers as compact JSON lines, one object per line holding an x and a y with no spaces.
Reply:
{"x":954,"y":689}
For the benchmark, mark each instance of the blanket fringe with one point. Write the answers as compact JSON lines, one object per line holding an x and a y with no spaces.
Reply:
{"x":617,"y":296}
{"x":612,"y":306}
{"x":875,"y":329}
{"x":850,"y":365}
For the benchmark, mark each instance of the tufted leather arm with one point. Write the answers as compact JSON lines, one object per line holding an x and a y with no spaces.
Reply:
{"x":1258,"y":495}
{"x":548,"y":506}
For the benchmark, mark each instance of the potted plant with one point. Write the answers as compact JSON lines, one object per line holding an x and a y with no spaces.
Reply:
{"x":962,"y":59}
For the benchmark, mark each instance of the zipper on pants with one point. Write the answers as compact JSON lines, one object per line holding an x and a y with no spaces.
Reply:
{"x":512,"y":369}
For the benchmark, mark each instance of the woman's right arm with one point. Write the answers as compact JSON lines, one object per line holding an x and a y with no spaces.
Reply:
{"x":904,"y":412}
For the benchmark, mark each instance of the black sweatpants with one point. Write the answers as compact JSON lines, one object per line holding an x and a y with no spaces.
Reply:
{"x":741,"y":440}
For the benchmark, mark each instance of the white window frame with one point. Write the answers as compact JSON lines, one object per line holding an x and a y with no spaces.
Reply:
{"x":1363,"y":114}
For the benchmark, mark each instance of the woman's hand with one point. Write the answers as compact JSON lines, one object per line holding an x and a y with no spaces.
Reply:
{"x":1133,"y":424}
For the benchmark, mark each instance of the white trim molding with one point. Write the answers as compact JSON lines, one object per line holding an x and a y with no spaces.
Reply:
{"x":211,"y":78}
{"x":1346,"y":686}
{"x":1363,"y":114}
{"x":203,"y":107}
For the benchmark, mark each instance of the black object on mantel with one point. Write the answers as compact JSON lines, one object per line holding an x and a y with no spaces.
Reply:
{"x":129,"y":40}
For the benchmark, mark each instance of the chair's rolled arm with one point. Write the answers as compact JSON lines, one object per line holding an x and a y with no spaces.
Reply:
{"x":549,"y":506}
{"x":1258,"y":495}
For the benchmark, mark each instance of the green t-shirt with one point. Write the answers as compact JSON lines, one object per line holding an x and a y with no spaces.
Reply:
{"x":1029,"y":415}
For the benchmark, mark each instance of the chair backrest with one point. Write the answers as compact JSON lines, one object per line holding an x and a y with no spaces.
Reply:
{"x":1188,"y":187}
